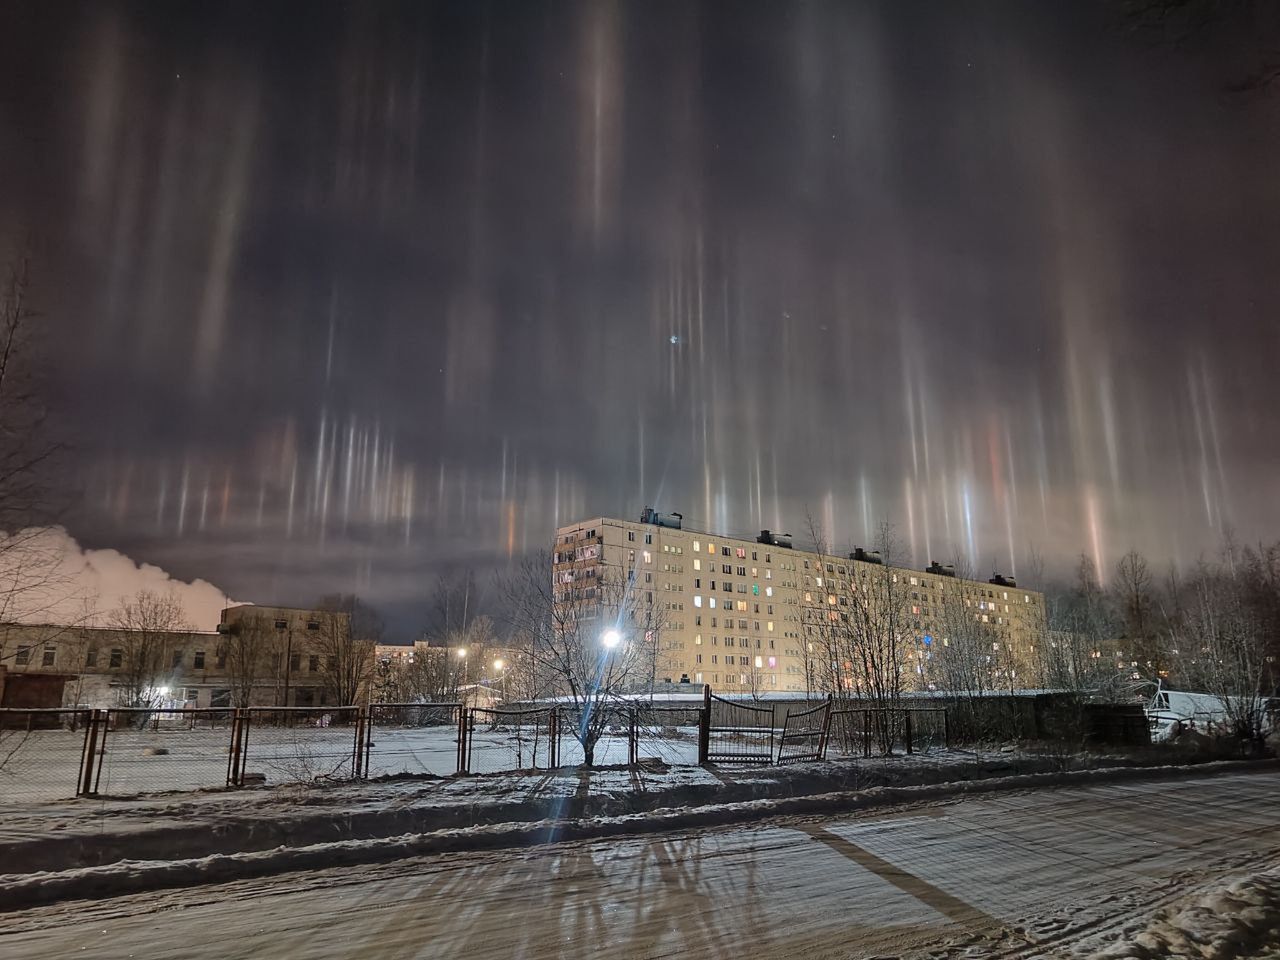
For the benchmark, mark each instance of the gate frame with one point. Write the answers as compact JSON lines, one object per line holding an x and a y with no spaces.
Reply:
{"x":707,"y":756}
{"x":820,"y":751}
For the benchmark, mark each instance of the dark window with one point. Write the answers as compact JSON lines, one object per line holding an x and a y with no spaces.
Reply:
{"x":281,"y":624}
{"x":117,"y":657}
{"x":313,"y":663}
{"x":631,"y":535}
{"x":648,"y":538}
{"x":295,"y":661}
{"x":47,"y":659}
{"x":177,"y":658}
{"x":91,"y":657}
{"x":313,"y":624}
{"x":24,"y":656}
{"x":222,"y":658}
{"x":220,"y":698}
{"x":199,"y":660}
{"x":724,"y":551}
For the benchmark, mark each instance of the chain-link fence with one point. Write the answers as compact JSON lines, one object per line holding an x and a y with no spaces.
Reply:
{"x":141,"y":750}
{"x":498,"y":740}
{"x":412,"y":738}
{"x":41,"y":754}
{"x":298,"y":745}
{"x":57,"y":754}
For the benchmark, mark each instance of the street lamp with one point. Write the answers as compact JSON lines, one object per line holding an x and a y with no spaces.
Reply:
{"x":499,"y":667}
{"x":611,"y":639}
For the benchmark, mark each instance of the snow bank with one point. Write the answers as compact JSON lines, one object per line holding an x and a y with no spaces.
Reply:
{"x":132,"y":876}
{"x":1238,"y":920}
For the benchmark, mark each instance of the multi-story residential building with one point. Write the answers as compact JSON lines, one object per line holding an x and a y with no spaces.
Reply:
{"x":744,"y":614}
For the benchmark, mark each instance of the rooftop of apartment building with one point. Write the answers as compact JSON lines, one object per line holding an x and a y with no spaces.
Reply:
{"x":785,"y":541}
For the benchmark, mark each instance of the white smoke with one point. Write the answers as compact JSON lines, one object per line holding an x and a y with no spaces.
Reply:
{"x":47,"y":577}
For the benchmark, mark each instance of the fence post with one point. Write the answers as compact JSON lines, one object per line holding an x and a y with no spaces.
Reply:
{"x":357,"y":747}
{"x":553,"y":736}
{"x":866,"y":733}
{"x":826,"y":729}
{"x":907,"y":716}
{"x":89,"y":756}
{"x":704,"y":725}
{"x":462,"y":738}
{"x":946,"y":732}
{"x":633,"y":739}
{"x":235,"y":759}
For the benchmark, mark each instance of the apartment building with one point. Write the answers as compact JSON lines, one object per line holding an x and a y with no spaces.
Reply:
{"x":743,"y":614}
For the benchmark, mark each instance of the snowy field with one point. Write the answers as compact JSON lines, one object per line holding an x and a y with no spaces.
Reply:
{"x":1137,"y":869}
{"x":45,"y":764}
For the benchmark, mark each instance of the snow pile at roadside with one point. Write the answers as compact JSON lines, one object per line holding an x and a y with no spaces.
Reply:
{"x":1239,"y":920}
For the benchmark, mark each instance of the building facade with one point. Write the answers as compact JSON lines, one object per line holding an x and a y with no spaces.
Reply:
{"x":747,"y":615}
{"x":259,"y":656}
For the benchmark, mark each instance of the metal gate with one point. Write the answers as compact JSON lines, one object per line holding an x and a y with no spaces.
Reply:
{"x":804,"y":734}
{"x":734,"y":732}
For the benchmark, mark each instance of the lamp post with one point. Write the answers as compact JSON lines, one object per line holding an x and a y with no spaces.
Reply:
{"x":500,"y":668}
{"x":462,"y":657}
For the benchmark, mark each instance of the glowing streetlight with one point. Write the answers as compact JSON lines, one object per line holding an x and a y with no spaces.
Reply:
{"x":611,"y":639}
{"x":498,"y":665}
{"x":462,"y":653}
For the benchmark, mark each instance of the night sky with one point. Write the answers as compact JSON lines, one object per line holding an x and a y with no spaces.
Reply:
{"x":339,"y":297}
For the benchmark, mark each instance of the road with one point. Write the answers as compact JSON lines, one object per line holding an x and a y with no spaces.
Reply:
{"x":1027,"y":874}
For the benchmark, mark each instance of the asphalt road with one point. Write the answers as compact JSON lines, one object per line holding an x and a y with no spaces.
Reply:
{"x":1028,"y":874}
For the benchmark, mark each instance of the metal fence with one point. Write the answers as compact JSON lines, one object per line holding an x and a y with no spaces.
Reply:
{"x":64,"y":753}
{"x":412,"y":738}
{"x":496,"y":740}
{"x":804,"y":734}
{"x":736,"y":732}
{"x":868,"y":731}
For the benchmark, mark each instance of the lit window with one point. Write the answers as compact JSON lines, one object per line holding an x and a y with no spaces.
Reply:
{"x":711,"y":548}
{"x":768,"y":591}
{"x":696,"y":546}
{"x":713,"y":603}
{"x":697,"y":564}
{"x":769,"y":626}
{"x":697,"y":600}
{"x":759,"y":662}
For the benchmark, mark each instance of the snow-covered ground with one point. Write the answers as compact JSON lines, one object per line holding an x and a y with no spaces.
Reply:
{"x":1074,"y":871}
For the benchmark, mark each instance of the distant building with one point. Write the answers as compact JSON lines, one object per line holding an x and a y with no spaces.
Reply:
{"x":54,"y":665}
{"x":735,"y":612}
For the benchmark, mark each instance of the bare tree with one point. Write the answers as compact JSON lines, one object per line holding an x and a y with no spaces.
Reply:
{"x":147,"y":628}
{"x":591,"y":638}
{"x":860,"y":626}
{"x":966,"y":662}
{"x":252,"y":651}
{"x":1219,"y":633}
{"x":346,"y":641}
{"x":32,"y":583}
{"x":1135,"y":601}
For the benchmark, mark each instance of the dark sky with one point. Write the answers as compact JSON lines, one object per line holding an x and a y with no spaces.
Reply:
{"x":339,"y":296}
